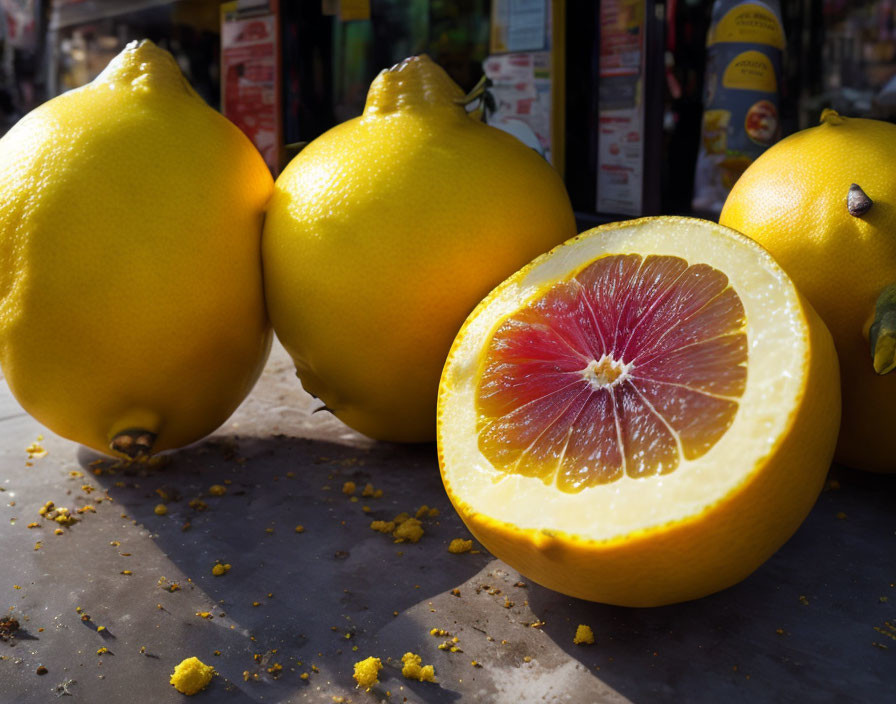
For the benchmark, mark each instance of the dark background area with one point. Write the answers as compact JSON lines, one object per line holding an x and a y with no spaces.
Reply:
{"x":839,"y":54}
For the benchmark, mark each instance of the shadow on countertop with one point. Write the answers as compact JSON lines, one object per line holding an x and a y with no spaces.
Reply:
{"x":817,"y":622}
{"x":307,"y":602}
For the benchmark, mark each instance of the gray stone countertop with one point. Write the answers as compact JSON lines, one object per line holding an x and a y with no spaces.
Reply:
{"x":816,"y":623}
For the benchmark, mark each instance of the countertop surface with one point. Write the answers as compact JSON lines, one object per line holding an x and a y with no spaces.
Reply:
{"x":817,"y":622}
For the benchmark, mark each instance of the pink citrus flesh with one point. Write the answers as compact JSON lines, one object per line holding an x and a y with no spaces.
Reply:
{"x":624,"y":368}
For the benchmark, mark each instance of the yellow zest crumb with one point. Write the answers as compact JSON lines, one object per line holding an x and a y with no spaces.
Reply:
{"x":275,"y":669}
{"x":256,"y":603}
{"x":198,"y":505}
{"x":349,"y":488}
{"x":127,"y":572}
{"x":367,"y":672}
{"x":475,"y":663}
{"x":412,"y":670}
{"x":300,"y":528}
{"x":410,"y":530}
{"x":35,"y":449}
{"x":191,"y":676}
{"x":59,"y":531}
{"x":459,"y":545}
{"x":527,"y":658}
{"x":584,"y":635}
{"x":220,"y":569}
{"x":100,"y":629}
{"x":102,"y":651}
{"x":34,"y":525}
{"x":422,"y":511}
{"x":204,"y":614}
{"x":160,"y":510}
{"x":803,"y":600}
{"x":440,"y":632}
{"x":305,"y":675}
{"x":367,"y":490}
{"x":217,"y":490}
{"x":383,"y":526}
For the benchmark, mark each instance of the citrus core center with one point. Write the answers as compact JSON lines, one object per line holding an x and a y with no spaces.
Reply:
{"x":605,"y":372}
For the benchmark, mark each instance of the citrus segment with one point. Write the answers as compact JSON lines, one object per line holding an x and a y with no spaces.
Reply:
{"x":623,"y":368}
{"x":642,"y":415}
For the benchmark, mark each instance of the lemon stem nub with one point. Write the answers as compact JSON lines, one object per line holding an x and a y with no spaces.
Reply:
{"x":134,"y":442}
{"x":883,"y":331}
{"x":483,"y":95}
{"x":857,"y":201}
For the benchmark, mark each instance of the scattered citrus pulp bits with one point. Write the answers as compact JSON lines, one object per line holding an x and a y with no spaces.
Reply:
{"x":367,"y":672}
{"x":641,"y":416}
{"x":191,"y":676}
{"x":412,"y":669}
{"x":584,"y":635}
{"x":404,"y":527}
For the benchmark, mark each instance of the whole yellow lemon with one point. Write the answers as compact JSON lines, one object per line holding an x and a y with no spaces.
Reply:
{"x":386,"y":231}
{"x":131,"y":301}
{"x":823,"y":202}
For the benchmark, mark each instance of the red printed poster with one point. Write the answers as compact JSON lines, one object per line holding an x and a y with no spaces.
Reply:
{"x":20,"y":19}
{"x":249,"y":80}
{"x":620,"y":158}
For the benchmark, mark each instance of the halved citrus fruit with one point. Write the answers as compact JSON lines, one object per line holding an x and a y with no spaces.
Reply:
{"x":643,"y":415}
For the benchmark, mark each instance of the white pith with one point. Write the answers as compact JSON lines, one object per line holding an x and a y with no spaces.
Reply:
{"x":777,"y":356}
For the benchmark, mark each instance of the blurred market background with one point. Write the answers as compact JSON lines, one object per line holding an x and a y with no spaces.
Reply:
{"x":614,"y":93}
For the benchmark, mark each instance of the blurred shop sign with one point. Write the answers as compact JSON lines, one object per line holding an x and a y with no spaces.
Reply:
{"x":620,"y":157}
{"x":20,"y":20}
{"x":65,"y":13}
{"x":520,"y":25}
{"x":346,"y":10}
{"x":250,"y":73}
{"x":526,"y":70}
